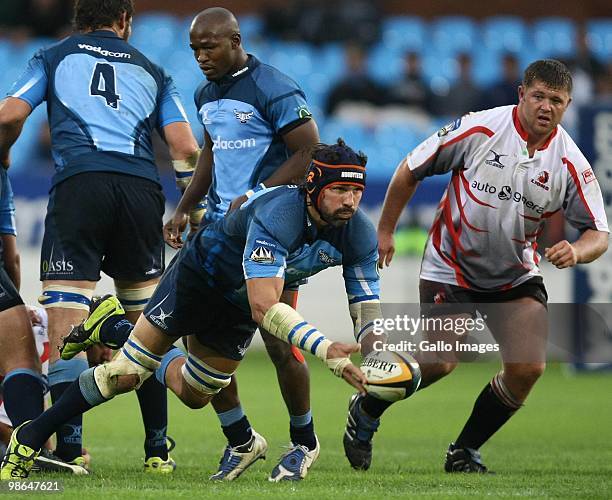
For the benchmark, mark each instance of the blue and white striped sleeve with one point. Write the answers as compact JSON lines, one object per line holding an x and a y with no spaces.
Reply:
{"x":361,"y":279}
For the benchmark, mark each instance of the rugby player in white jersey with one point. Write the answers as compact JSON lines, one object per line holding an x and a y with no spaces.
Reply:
{"x":512,"y":168}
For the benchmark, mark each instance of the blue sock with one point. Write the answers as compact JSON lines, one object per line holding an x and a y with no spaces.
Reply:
{"x":79,"y":396}
{"x":235,"y":425}
{"x":23,"y":395}
{"x":153,"y":400}
{"x":69,"y":435}
{"x":115,"y":331}
{"x":301,"y":430}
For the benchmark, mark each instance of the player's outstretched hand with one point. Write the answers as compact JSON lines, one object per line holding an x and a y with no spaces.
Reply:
{"x":173,"y":229}
{"x":237,"y":202}
{"x":338,"y":361}
{"x":386,"y":248}
{"x":562,"y":255}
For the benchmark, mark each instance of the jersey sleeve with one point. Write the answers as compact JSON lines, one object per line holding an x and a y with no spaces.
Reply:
{"x":583,"y":204}
{"x":449,"y":148}
{"x":7,"y":206}
{"x":31,"y":86}
{"x":264,"y":256}
{"x":361,"y":279}
{"x":171,"y":108}
{"x":287,"y":107}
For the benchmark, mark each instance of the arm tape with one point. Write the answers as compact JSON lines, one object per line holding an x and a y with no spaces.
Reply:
{"x":365,"y":313}
{"x":183,"y":169}
{"x":284,"y":322}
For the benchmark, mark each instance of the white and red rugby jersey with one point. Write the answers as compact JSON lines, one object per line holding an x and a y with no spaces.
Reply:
{"x":486,"y":226}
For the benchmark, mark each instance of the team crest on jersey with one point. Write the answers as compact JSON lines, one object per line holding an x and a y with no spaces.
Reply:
{"x":541,"y":180}
{"x":243,"y":116}
{"x":495,"y":160}
{"x":588,"y":176}
{"x":262,"y":255}
{"x":303,"y":111}
{"x":449,"y":128}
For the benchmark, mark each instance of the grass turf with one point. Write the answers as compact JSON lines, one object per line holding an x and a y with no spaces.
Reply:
{"x":558,"y":445}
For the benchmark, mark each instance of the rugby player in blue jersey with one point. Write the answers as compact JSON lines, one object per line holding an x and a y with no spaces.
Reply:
{"x":226,"y":282}
{"x":104,"y":100}
{"x":255,"y":120}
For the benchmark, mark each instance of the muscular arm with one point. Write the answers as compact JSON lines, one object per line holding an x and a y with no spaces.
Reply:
{"x":401,"y":189}
{"x":180,"y":140}
{"x":294,"y":168}
{"x":13,"y":114}
{"x":10,"y":256}
{"x":590,"y":246}
{"x":285,"y":323}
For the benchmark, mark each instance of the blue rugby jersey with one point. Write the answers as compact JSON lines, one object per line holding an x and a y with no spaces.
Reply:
{"x":104,"y":99}
{"x":246,"y":115}
{"x":7,"y":206}
{"x":272,"y":236}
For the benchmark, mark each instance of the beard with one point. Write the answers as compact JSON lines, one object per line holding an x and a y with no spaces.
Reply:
{"x":339,"y":217}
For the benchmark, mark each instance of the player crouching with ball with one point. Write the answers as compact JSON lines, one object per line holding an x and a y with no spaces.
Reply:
{"x":225,"y":283}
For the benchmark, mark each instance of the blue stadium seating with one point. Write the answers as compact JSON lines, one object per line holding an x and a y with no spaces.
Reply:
{"x":157,"y":34}
{"x":165,"y":39}
{"x":402,"y":33}
{"x":454,"y":34}
{"x":555,"y":36}
{"x":599,"y":32}
{"x":505,"y":34}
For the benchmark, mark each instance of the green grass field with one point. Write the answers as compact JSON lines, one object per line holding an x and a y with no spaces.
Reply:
{"x":559,"y":445}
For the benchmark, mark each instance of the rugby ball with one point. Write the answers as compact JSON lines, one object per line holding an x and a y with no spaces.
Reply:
{"x":392,"y":376}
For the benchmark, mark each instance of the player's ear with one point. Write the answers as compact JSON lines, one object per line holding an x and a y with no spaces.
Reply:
{"x":521,"y":92}
{"x":236,"y":40}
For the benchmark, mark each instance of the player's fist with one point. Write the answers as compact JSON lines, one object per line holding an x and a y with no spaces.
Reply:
{"x":386,"y":248}
{"x":173,"y":229}
{"x":562,"y":255}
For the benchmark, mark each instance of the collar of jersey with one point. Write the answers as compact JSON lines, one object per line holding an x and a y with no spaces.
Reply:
{"x":103,"y":33}
{"x":523,"y":133}
{"x":251,"y":64}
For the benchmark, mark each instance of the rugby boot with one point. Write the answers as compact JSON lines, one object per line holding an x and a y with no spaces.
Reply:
{"x":18,"y":459}
{"x":157,"y":465}
{"x":464,"y":460}
{"x":358,"y":435}
{"x":237,"y":459}
{"x":294,"y":463}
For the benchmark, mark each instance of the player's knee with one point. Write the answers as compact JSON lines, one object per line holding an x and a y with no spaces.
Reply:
{"x":127,"y":371}
{"x":201,"y":383}
{"x":525,"y":375}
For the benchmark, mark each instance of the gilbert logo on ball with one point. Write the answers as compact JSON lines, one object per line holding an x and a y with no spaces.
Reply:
{"x":391,"y":375}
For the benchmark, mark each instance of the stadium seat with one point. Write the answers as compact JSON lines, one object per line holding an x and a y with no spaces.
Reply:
{"x":403,"y":33}
{"x":157,"y":34}
{"x":453,"y":34}
{"x":599,"y":32}
{"x":555,"y":36}
{"x":385,"y":64}
{"x":251,"y":28}
{"x":293,"y":58}
{"x":355,"y":134}
{"x":504,"y":34}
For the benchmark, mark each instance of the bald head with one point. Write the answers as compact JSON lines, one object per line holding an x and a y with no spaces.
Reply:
{"x":216,"y":43}
{"x":216,"y":21}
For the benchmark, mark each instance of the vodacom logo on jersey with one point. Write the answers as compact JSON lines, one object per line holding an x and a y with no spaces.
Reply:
{"x":219,"y":143}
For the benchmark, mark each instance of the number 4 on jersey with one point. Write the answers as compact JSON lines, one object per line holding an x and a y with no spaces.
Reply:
{"x":103,"y":84}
